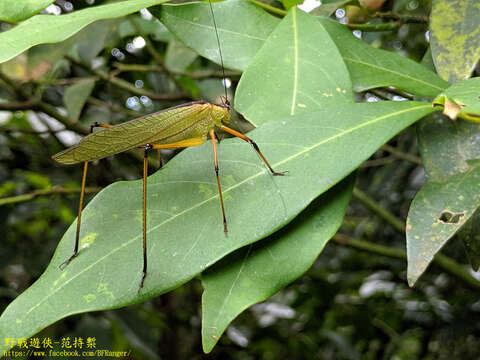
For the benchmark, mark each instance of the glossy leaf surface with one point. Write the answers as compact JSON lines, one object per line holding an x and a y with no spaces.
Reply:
{"x":300,"y":64}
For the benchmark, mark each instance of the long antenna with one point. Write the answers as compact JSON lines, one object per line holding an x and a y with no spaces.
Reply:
{"x":220,"y":52}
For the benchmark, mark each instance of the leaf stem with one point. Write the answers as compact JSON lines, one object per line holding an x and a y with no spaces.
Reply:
{"x":269,"y":8}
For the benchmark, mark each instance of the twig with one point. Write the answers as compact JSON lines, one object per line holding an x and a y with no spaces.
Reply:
{"x":19,"y":105}
{"x":375,"y":27}
{"x":44,"y":107}
{"x":412,"y":19}
{"x":401,"y":155}
{"x":44,"y":192}
{"x":7,"y":129}
{"x":192,"y":74}
{"x":379,"y":210}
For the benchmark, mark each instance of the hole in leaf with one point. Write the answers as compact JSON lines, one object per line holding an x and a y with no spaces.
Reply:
{"x":448,"y":217}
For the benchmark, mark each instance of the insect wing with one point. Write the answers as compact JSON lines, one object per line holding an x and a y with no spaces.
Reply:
{"x":158,"y":127}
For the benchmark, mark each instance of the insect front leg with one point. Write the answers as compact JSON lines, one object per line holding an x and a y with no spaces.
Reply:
{"x":255,"y":147}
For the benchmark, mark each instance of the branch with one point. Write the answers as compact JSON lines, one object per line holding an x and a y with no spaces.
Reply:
{"x":192,"y":74}
{"x":375,"y":27}
{"x":379,"y":210}
{"x":448,"y":265}
{"x":19,"y":105}
{"x":43,"y":106}
{"x":126,"y":85}
{"x":401,"y":155}
{"x":44,"y":192}
{"x":411,"y":19}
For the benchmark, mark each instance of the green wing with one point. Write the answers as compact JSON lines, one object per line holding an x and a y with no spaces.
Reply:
{"x":163,"y":127}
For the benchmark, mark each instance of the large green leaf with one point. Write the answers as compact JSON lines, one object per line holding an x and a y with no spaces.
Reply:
{"x":300,"y":64}
{"x":461,"y":99}
{"x":258,"y":271}
{"x":438,"y":211}
{"x":455,"y":38}
{"x":42,"y":29}
{"x":242,"y":29}
{"x":185,"y":235}
{"x":18,"y":10}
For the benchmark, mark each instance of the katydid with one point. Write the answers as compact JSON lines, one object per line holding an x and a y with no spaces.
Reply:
{"x":181,"y":126}
{"x":177,"y":127}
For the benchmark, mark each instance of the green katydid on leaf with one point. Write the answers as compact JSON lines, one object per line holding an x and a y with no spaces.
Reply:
{"x":178,"y":127}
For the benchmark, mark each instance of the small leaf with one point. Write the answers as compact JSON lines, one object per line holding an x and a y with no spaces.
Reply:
{"x":461,"y":99}
{"x":42,"y":29}
{"x":300,"y":64}
{"x":258,"y":271}
{"x":438,"y":211}
{"x":178,"y":56}
{"x":455,"y":38}
{"x":17,"y":10}
{"x":76,"y":95}
{"x":107,"y":271}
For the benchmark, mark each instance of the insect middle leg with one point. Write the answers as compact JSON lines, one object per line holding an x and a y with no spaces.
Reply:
{"x":80,"y":205}
{"x":148,"y":147}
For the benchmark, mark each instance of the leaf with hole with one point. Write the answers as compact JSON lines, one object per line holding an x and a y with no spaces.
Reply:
{"x":438,"y":211}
